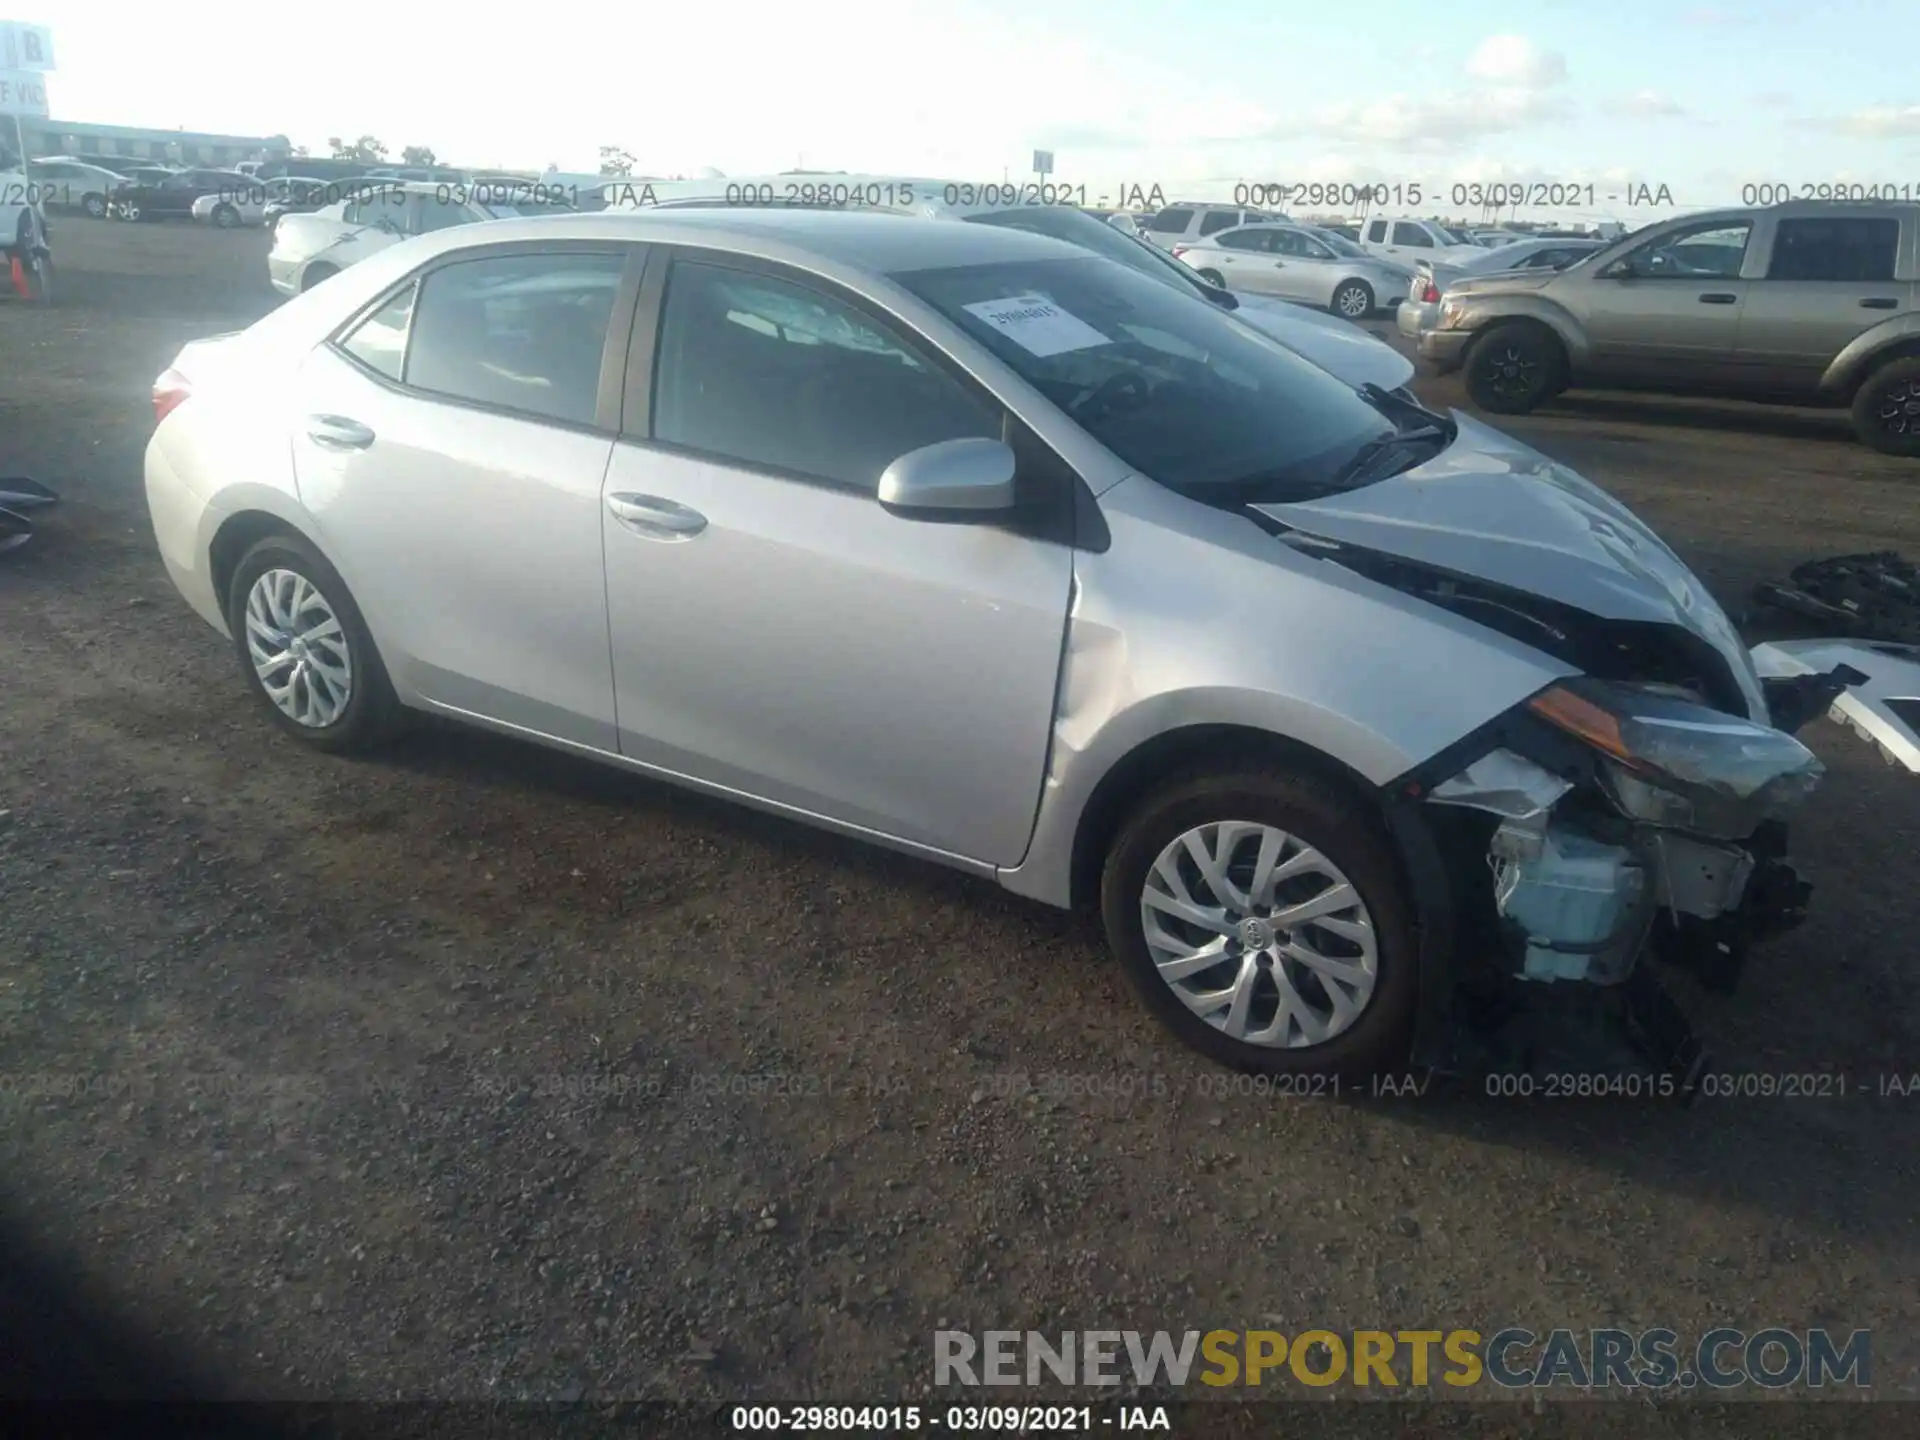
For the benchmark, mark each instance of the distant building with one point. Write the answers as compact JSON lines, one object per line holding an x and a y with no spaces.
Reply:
{"x":162,"y":147}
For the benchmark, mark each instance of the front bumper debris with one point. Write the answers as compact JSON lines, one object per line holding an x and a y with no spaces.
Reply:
{"x":1882,"y":706}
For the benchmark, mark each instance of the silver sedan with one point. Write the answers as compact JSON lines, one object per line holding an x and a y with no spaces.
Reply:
{"x":1298,"y":262}
{"x":964,"y":541}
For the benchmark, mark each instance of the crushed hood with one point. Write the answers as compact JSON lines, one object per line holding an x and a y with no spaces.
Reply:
{"x":1337,"y":346}
{"x":1492,"y":508}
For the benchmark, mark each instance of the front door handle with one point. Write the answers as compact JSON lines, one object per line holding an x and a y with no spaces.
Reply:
{"x":656,"y":517}
{"x":337,"y":432}
{"x":1879,"y":302}
{"x":1719,"y":298}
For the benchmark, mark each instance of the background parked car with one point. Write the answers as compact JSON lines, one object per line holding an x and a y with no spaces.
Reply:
{"x":1432,"y":277}
{"x":171,"y":195}
{"x":1494,"y":239}
{"x":74,"y":185}
{"x":1408,"y":241}
{"x":1193,"y":223}
{"x":1293,"y":262}
{"x":259,"y":202}
{"x":310,"y":248}
{"x":1810,"y":303}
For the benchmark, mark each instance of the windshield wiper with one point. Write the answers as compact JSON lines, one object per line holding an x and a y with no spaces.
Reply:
{"x":1408,"y":414}
{"x":1362,"y":464}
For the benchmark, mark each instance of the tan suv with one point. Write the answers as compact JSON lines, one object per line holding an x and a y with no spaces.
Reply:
{"x":1810,"y":303}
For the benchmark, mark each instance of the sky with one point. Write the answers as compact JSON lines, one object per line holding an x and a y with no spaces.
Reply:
{"x":1193,"y":98}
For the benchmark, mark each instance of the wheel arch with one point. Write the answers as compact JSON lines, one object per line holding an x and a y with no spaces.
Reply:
{"x":1897,"y":339}
{"x":1159,"y":757}
{"x":1530,"y":309}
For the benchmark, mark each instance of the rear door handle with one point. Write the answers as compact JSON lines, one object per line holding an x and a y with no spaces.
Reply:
{"x":1719,"y":299}
{"x":656,"y":517}
{"x":1879,"y":302}
{"x":337,"y":432}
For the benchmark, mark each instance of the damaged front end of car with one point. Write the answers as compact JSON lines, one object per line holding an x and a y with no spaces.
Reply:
{"x":1635,"y":809}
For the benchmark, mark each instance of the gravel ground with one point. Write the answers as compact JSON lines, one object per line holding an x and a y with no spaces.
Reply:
{"x":475,"y":1072}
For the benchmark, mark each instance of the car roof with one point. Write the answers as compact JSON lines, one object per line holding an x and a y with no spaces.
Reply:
{"x":874,"y":241}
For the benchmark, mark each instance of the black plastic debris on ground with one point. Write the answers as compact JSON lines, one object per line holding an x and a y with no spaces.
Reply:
{"x":1871,"y":597}
{"x":17,"y":496}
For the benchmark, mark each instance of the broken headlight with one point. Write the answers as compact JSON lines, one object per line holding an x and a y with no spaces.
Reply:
{"x":1674,"y":763}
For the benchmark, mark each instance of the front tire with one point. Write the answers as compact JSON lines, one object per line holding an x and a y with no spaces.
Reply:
{"x":1353,"y":300}
{"x":1886,"y":411}
{"x":305,"y":650}
{"x":1261,"y":916}
{"x":225,"y":217}
{"x":1515,"y":368}
{"x":316,"y":274}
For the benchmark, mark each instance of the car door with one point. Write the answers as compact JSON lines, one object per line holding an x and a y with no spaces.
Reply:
{"x":1827,"y":278}
{"x":452,"y":446}
{"x":779,"y":634}
{"x":1409,"y":243}
{"x":1668,"y":311}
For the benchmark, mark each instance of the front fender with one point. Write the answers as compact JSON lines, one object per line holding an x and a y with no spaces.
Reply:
{"x":1196,"y":616}
{"x":1863,"y":354}
{"x":1482,"y":312}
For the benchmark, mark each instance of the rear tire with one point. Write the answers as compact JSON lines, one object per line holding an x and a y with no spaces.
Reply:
{"x":1515,"y":367}
{"x":226,"y":217}
{"x":1341,"y":846}
{"x":1212,"y":277}
{"x":1353,"y":300}
{"x":95,"y":206}
{"x":1886,"y":411}
{"x":296,"y":627}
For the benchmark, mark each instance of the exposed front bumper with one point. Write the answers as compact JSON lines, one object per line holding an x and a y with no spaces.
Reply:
{"x":1443,"y":349}
{"x":283,"y":275}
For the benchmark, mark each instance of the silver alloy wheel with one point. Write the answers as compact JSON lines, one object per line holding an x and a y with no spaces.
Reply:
{"x":1900,"y":410}
{"x":299,"y":648}
{"x":1259,"y":934}
{"x":1352,"y":302}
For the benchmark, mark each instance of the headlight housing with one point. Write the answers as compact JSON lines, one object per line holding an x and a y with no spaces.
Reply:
{"x":1674,"y":763}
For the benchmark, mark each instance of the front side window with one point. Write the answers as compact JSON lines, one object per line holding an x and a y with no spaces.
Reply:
{"x":1411,"y":235}
{"x":1859,"y":249}
{"x":380,"y":341}
{"x":1215,"y":221}
{"x":517,"y":332}
{"x":1180,"y":392}
{"x":1377,"y":231}
{"x":1706,"y":252}
{"x":1171,"y":222}
{"x":767,"y":372}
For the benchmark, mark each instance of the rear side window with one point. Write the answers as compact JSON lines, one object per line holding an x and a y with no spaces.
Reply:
{"x":1413,"y":235}
{"x":1860,"y":249}
{"x":1218,"y":220}
{"x":1171,"y":222}
{"x":517,"y":332}
{"x":1245,"y":240}
{"x":765,"y":372}
{"x":380,"y":341}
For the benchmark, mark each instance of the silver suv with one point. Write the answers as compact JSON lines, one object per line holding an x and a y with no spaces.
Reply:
{"x":1810,"y":303}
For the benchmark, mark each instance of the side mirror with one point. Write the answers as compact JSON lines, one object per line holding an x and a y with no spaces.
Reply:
{"x":1618,"y":270}
{"x":956,"y":479}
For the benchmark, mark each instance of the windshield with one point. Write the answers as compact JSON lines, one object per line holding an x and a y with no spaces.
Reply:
{"x":1060,"y":223}
{"x":1173,"y":387}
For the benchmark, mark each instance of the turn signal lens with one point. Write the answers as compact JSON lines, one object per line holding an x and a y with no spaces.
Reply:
{"x":168,"y":392}
{"x":1580,"y":717}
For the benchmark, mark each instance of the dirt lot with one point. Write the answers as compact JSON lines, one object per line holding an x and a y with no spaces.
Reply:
{"x":432,"y":1076}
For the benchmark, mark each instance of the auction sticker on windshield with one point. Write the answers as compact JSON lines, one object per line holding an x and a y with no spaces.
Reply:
{"x":1036,"y":324}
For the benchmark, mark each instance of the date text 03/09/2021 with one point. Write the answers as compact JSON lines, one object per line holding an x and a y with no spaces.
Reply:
{"x":1473,"y":195}
{"x":959,"y":1419}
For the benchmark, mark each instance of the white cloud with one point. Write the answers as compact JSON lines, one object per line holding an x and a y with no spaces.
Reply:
{"x":1517,"y":61}
{"x":1772,"y":99}
{"x":1875,"y":122}
{"x":1647,"y":105}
